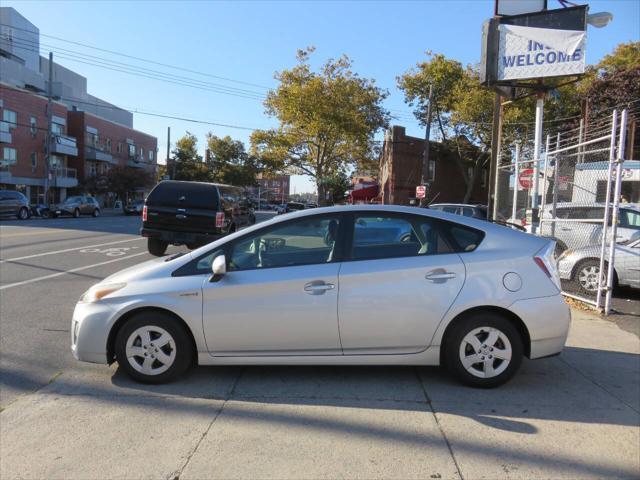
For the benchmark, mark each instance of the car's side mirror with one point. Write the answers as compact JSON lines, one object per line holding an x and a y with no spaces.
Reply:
{"x":218,"y":268}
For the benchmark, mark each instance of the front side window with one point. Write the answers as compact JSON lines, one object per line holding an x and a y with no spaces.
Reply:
{"x":380,"y":236}
{"x":10,"y":117}
{"x":302,"y":242}
{"x":629,"y":219}
{"x":9,"y":155}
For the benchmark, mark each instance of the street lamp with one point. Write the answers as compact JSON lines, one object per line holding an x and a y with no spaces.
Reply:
{"x":599,"y":19}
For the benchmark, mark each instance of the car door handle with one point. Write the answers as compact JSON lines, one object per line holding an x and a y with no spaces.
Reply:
{"x":439,"y":276}
{"x":315,"y":288}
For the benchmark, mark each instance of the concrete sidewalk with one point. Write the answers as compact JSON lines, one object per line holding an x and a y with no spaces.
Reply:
{"x":573,"y":416}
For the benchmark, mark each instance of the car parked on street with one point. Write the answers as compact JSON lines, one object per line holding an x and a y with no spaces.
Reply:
{"x":75,"y":206}
{"x":289,"y":207}
{"x":192,"y":214}
{"x":478,"y":211}
{"x":582,"y":266}
{"x":327,"y":286}
{"x":14,"y":204}
{"x":134,"y":208}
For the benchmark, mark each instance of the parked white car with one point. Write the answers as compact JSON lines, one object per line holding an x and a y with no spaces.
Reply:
{"x":357,"y":285}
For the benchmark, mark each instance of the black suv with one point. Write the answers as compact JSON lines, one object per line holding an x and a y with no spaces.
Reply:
{"x":14,"y":204}
{"x":192,"y":214}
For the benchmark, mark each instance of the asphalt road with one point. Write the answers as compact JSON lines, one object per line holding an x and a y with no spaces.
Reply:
{"x":45,"y":265}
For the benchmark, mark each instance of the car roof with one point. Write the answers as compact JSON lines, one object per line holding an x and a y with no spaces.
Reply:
{"x":472,"y":205}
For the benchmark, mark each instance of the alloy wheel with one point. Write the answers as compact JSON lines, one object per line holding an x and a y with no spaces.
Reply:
{"x":150,"y":350}
{"x":588,"y":277}
{"x":485,"y":352}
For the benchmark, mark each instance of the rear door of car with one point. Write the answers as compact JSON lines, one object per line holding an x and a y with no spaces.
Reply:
{"x":6,"y":203}
{"x":398,"y":279}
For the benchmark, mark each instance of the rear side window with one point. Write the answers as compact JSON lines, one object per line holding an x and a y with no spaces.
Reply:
{"x":462,"y":238}
{"x":184,"y":195}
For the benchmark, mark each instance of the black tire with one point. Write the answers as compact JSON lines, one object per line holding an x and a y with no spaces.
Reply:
{"x":478,"y":320}
{"x":76,"y":213}
{"x":45,"y":213}
{"x":96,"y":212}
{"x":184,"y":351}
{"x":23,"y":213}
{"x":156,"y":247}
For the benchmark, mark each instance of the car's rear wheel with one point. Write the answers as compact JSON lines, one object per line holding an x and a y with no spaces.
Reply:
{"x":152,"y":347}
{"x":156,"y":247}
{"x":76,"y":213}
{"x":585,"y":276}
{"x":23,"y":214}
{"x":483,"y":349}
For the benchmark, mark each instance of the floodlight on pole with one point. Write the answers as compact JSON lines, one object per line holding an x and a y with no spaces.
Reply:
{"x":599,"y":19}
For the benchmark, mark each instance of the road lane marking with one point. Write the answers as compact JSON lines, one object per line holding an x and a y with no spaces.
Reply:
{"x":69,"y":250}
{"x":73,"y":270}
{"x":39,"y":231}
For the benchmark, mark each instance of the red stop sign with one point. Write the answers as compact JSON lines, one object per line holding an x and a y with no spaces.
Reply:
{"x":526,"y":178}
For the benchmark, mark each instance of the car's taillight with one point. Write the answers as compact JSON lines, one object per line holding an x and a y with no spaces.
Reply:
{"x":144,"y":213}
{"x":545,"y":259}
{"x":219,"y":219}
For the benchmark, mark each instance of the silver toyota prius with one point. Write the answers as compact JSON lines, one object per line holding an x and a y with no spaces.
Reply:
{"x":358,"y":285}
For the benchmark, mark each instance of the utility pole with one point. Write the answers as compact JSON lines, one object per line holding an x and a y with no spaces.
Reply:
{"x":173,"y":176}
{"x":47,"y":139}
{"x":427,"y":137}
{"x":496,"y":144}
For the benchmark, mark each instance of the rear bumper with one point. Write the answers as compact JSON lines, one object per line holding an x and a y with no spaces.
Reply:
{"x":180,"y":238}
{"x":547,"y":319}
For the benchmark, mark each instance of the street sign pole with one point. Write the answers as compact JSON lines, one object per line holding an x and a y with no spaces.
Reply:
{"x":427,"y":137}
{"x":536,"y":157}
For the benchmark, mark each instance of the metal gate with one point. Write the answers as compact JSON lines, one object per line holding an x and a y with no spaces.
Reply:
{"x":572,"y":194}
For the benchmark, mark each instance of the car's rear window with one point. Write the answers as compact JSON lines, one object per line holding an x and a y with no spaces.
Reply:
{"x":464,"y":239}
{"x":184,"y":195}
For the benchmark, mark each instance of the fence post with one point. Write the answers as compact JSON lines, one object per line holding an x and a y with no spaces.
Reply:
{"x":536,"y":159}
{"x":544,"y":179}
{"x":556,"y":168}
{"x":616,"y":207}
{"x":607,"y":210}
{"x":514,"y":207}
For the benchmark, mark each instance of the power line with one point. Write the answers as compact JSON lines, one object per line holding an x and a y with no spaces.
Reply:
{"x":113,"y":52}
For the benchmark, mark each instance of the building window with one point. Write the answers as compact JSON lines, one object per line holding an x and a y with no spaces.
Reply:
{"x":141,"y":153}
{"x":484,"y":178}
{"x":107,"y":144}
{"x":431,"y":170}
{"x":132,"y":151}
{"x":470,"y":173}
{"x":119,"y":147}
{"x":10,"y":117}
{"x":33,"y":123}
{"x":57,"y":129}
{"x":9,"y":156}
{"x":151,"y":155}
{"x":34,"y":161}
{"x":56,"y":162}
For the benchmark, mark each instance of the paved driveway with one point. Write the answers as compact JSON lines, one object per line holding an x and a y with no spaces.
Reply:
{"x":572,"y":416}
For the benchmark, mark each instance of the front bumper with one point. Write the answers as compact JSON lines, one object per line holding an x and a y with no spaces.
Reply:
{"x":90,"y":328}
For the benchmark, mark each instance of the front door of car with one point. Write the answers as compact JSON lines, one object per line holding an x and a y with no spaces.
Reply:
{"x":279,"y":295}
{"x":399,"y":281}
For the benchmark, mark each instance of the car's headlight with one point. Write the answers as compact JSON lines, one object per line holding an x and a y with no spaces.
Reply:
{"x":100,"y":291}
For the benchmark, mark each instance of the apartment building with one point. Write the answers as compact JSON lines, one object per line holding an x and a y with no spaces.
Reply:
{"x":89,"y":135}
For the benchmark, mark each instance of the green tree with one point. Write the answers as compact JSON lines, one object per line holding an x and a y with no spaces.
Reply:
{"x":327,"y":120}
{"x":229,"y":161}
{"x":336,"y":186}
{"x":126,"y":180}
{"x":185,"y":161}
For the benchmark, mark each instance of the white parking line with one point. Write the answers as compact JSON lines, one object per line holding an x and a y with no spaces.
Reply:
{"x":69,"y":250}
{"x":73,"y":270}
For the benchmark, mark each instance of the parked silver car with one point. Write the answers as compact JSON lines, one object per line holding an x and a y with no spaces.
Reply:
{"x":582,"y":266}
{"x":335,"y":286}
{"x":76,"y":206}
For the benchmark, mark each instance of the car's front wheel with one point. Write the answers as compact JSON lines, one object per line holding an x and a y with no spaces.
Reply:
{"x":152,"y":347}
{"x":96,"y":212}
{"x":483,"y":349}
{"x":23,"y":214}
{"x":76,"y":213}
{"x":586,"y":276}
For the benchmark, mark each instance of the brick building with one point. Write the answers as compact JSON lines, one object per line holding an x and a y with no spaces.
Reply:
{"x":88,"y":137}
{"x":273,"y":189}
{"x":23,"y":129}
{"x":401,"y":172}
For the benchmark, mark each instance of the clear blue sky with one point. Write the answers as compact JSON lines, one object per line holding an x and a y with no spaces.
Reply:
{"x":249,"y":41}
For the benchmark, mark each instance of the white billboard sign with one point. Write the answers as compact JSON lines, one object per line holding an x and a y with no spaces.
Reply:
{"x":530,"y":52}
{"x":518,"y":7}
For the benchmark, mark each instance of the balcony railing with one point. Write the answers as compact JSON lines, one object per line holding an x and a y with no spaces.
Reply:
{"x":64,"y":145}
{"x":65,"y":177}
{"x":137,"y":161}
{"x":97,"y":154}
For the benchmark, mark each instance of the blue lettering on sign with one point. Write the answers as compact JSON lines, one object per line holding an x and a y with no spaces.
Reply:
{"x":551,"y":57}
{"x":520,"y":60}
{"x":539,"y":58}
{"x":508,"y":61}
{"x":577,"y":55}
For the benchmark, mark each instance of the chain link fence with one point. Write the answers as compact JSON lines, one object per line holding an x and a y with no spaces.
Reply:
{"x":571,"y":195}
